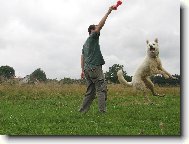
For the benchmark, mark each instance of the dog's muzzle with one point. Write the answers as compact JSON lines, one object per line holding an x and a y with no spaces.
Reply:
{"x":152,"y":48}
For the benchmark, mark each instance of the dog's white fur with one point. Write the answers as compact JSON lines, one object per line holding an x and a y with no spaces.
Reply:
{"x":150,"y":66}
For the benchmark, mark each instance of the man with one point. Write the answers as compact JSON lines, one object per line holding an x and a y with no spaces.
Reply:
{"x":91,"y":64}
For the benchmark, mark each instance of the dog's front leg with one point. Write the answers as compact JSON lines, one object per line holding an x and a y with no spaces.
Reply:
{"x":162,"y":73}
{"x":167,"y":73}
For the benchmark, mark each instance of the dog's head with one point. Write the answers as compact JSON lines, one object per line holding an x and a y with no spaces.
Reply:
{"x":153,"y":48}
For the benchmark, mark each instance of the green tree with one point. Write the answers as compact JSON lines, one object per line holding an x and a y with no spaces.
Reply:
{"x":7,"y":72}
{"x":39,"y":75}
{"x":111,"y":75}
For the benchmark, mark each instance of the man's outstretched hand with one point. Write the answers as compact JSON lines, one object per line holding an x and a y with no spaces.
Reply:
{"x":111,"y":8}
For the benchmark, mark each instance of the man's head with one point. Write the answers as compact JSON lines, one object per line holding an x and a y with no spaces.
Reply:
{"x":91,"y":28}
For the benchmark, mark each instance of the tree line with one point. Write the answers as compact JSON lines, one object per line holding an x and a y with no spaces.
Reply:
{"x":7,"y":72}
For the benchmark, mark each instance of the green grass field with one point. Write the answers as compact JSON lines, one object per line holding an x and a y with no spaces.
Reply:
{"x":53,"y":110}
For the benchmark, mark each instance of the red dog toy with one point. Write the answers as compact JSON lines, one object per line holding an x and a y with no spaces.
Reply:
{"x":118,"y":4}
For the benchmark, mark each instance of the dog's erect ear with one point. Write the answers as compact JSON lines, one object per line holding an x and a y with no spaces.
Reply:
{"x":156,"y":40}
{"x":147,"y":41}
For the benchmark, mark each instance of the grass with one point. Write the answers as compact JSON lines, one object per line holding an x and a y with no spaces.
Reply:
{"x":53,"y":110}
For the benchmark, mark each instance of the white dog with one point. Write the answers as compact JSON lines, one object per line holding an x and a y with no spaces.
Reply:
{"x":150,"y":66}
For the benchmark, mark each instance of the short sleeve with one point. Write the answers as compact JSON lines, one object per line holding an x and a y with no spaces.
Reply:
{"x":82,"y":51}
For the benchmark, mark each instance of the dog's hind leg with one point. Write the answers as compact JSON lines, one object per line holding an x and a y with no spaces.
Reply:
{"x":147,"y":100}
{"x":150,"y":85}
{"x":141,"y":86}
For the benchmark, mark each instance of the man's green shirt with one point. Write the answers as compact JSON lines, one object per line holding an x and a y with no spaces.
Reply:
{"x":91,"y":52}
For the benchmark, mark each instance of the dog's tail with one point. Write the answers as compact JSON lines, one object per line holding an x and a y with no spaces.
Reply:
{"x":122,"y":79}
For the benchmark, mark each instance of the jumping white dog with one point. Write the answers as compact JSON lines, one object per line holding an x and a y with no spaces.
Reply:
{"x":150,"y":66}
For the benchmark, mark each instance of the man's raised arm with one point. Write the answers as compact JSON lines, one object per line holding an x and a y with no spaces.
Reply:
{"x":103,"y":20}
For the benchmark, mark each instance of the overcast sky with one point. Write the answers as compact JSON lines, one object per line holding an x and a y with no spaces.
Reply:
{"x":49,"y":34}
